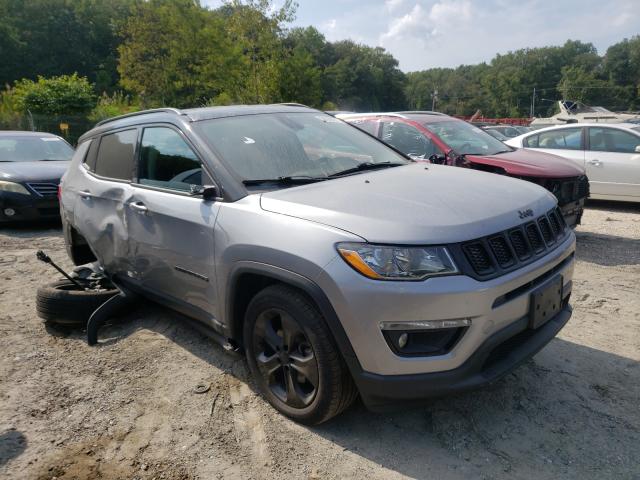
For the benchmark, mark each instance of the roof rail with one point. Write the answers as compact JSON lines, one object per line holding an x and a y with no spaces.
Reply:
{"x":291,"y":104}
{"x":141,"y":112}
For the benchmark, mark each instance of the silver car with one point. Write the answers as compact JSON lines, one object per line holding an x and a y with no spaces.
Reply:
{"x":340,"y":266}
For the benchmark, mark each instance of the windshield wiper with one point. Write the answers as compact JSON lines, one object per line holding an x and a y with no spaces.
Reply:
{"x":285,"y":180}
{"x":367,"y":166}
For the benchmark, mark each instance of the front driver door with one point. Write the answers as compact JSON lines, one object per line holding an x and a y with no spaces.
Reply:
{"x":613,"y":165}
{"x":171,"y":231}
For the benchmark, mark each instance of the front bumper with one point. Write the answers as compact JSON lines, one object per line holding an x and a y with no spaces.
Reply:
{"x":28,"y":207}
{"x":362,"y":305}
{"x":498,"y":355}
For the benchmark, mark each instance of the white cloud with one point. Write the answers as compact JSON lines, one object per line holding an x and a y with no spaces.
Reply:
{"x":393,"y":5}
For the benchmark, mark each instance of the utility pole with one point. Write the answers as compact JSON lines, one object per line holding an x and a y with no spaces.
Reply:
{"x":434,"y":99}
{"x":533,"y":103}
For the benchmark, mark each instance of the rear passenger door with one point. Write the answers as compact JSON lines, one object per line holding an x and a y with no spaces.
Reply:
{"x":170,"y":230}
{"x":613,"y":165}
{"x":104,"y":189}
{"x":567,"y":142}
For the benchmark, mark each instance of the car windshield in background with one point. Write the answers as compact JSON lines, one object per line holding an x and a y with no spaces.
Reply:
{"x":466,"y":139}
{"x":32,"y":149}
{"x":294,"y":145}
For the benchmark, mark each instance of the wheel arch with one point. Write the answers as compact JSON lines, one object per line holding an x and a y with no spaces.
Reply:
{"x":248,"y":278}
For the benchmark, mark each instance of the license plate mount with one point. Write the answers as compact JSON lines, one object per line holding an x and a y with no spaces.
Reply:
{"x":546,"y":302}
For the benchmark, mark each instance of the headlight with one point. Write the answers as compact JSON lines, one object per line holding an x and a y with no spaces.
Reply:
{"x":13,"y":188}
{"x":397,"y":263}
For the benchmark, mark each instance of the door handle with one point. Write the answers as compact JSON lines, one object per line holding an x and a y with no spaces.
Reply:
{"x":139,"y":207}
{"x":86,"y":194}
{"x":595,"y":163}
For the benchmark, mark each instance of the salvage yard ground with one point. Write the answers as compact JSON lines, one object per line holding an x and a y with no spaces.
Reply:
{"x":127,"y":409}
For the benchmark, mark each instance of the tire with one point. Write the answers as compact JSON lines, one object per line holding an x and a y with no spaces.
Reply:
{"x":62,"y":303}
{"x":285,"y":337}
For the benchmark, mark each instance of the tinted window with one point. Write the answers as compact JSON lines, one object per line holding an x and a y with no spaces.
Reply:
{"x":167,"y":161}
{"x":18,"y":148}
{"x":612,"y":140}
{"x":92,"y":155}
{"x":565,"y":138}
{"x":115,"y":155}
{"x":408,"y":140}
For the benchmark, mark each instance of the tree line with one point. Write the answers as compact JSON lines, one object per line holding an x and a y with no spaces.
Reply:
{"x":147,"y":53}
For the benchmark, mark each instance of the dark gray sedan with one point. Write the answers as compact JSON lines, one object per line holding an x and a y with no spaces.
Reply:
{"x":31,"y":164}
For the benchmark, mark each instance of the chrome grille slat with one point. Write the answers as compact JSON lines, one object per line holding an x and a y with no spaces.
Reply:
{"x":44,"y":189}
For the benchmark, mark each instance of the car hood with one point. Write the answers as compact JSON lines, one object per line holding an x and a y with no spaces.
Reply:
{"x":32,"y":171}
{"x":526,"y":163}
{"x":414,"y":204}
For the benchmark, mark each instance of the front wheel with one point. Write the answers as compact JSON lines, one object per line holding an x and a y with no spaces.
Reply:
{"x":293,"y":357}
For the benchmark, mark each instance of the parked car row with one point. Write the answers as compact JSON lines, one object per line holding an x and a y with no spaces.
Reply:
{"x":443,"y":139}
{"x":342,"y":261}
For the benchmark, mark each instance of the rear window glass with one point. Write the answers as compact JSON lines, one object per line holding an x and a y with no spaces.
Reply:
{"x":92,"y":155}
{"x":116,"y":155}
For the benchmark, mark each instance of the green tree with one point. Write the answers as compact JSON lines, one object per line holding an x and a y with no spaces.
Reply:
{"x":66,"y":94}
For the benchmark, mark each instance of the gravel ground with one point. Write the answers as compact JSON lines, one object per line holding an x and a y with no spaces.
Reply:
{"x":126,"y":409}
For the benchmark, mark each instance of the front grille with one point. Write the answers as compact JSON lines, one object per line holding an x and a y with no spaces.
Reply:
{"x":545,"y":229}
{"x":506,"y":251}
{"x":478,"y":257}
{"x":501,"y":250}
{"x":566,"y":190}
{"x":44,"y":189}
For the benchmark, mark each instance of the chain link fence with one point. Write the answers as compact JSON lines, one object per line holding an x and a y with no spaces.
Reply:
{"x":69,"y":127}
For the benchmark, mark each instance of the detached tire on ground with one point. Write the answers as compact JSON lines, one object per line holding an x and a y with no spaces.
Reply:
{"x":63,"y":303}
{"x":294,"y":358}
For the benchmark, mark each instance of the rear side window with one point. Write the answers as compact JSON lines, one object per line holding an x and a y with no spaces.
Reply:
{"x":167,"y":161}
{"x":116,"y":155}
{"x":612,"y":140}
{"x":562,"y":139}
{"x":92,"y":155}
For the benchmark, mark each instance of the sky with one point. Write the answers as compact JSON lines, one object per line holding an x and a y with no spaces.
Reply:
{"x":425,"y":34}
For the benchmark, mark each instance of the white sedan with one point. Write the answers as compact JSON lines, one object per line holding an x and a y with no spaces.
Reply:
{"x":610,"y":153}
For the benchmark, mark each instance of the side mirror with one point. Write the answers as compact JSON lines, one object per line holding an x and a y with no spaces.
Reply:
{"x":209,"y":193}
{"x":437,"y":159}
{"x":637,"y":148}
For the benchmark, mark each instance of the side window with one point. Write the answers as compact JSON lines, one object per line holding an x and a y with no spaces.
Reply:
{"x":167,"y":161}
{"x":408,"y":139}
{"x":92,"y":155}
{"x":115,"y":155}
{"x":80,"y":154}
{"x":612,"y":140}
{"x":531,"y":142}
{"x":564,"y":139}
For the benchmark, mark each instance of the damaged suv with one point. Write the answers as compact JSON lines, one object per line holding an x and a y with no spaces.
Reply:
{"x":338,"y":265}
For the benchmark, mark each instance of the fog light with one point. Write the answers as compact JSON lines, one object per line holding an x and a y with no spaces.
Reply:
{"x":426,"y":324}
{"x":9,"y":212}
{"x":402,"y":340}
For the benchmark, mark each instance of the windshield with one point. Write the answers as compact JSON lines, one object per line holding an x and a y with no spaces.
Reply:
{"x":305,"y":144}
{"x":466,"y":139}
{"x":31,"y":149}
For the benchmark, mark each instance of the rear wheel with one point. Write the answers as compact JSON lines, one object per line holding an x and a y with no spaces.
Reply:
{"x":294,"y":358}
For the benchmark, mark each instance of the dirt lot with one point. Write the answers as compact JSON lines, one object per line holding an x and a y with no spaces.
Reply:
{"x":126,"y":409}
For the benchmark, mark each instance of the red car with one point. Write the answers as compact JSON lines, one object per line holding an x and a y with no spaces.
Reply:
{"x":439,"y":138}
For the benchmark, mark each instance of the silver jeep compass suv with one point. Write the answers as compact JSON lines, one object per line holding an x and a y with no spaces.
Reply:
{"x":336,"y":263}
